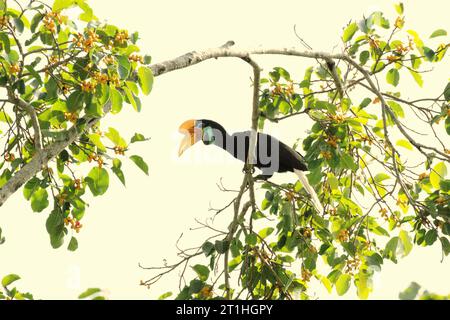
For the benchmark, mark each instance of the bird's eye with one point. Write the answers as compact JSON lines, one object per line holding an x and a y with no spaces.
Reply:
{"x":208,"y":135}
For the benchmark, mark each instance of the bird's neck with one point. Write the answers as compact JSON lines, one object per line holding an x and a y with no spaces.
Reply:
{"x":222,"y":138}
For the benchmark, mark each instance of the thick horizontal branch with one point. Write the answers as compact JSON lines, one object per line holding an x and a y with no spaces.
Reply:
{"x":41,"y":159}
{"x":195,"y":57}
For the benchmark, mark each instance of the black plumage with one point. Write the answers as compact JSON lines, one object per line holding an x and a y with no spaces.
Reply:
{"x":271,"y":156}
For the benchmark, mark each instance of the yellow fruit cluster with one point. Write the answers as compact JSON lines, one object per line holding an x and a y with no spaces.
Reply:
{"x":306,"y":275}
{"x":88,"y":86}
{"x":343,"y":236}
{"x":326,"y":155}
{"x":332,"y":141}
{"x":96,"y":158}
{"x":121,"y":36}
{"x":136,"y":58}
{"x":72,"y":117}
{"x":74,"y":224}
{"x":101,"y":78}
{"x":87,"y":43}
{"x":119,"y":150}
{"x":14,"y":68}
{"x":4,"y":20}
{"x":9,"y":157}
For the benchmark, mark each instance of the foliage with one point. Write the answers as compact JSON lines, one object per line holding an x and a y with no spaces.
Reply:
{"x":378,"y":202}
{"x":8,"y":293}
{"x":412,"y":292}
{"x":62,"y":76}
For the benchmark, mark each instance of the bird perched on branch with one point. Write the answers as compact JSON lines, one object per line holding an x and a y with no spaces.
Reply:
{"x":271,"y":155}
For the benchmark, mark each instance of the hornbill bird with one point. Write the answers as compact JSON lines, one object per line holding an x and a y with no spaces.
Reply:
{"x":271,"y":156}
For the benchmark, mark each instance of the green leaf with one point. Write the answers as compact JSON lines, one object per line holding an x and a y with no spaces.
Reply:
{"x":343,"y":284}
{"x":131,"y":99}
{"x":326,"y":283}
{"x":6,"y":43}
{"x":34,"y":73}
{"x":429,"y":54}
{"x":365,"y":103}
{"x":165,"y":296}
{"x":30,"y":187}
{"x":138,"y":138}
{"x":446,"y":228}
{"x":431,"y":237}
{"x":115,"y":138}
{"x":283,"y":73}
{"x":264,"y":233}
{"x":349,"y":31}
{"x":88,"y":14}
{"x":251,"y":239}
{"x":405,"y":144}
{"x":35,"y":21}
{"x":374,"y":260}
{"x":393,"y":77}
{"x":19,"y":25}
{"x":396,"y":108}
{"x":297,"y":102}
{"x":447,"y":93}
{"x":195,"y":286}
{"x":39,"y":200}
{"x":140,"y":163}
{"x":75,"y":101}
{"x":363,"y":285}
{"x":116,"y":101}
{"x":222,"y":246}
{"x":447,"y":125}
{"x":438,"y":33}
{"x":445,"y":245}
{"x":417,"y":77}
{"x":124,"y":67}
{"x":399,"y":8}
{"x":95,"y":138}
{"x":348,"y":163}
{"x":102,"y":95}
{"x":6,"y":281}
{"x":88,"y":293}
{"x":377,"y":67}
{"x":437,"y":174}
{"x":98,"y":181}
{"x":202,"y":271}
{"x":410,"y":293}
{"x":208,"y":248}
{"x":381,"y":177}
{"x":59,"y":5}
{"x":57,"y":240}
{"x":390,"y":251}
{"x":145,"y":76}
{"x":378,"y":19}
{"x":405,"y":240}
{"x":73,"y":244}
{"x":55,"y":222}
{"x":364,"y":57}
{"x":117,"y":169}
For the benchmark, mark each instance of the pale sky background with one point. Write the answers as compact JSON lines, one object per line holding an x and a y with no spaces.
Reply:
{"x":142,"y":222}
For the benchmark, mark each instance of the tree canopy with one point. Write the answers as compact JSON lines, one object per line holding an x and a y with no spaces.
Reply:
{"x":60,"y":78}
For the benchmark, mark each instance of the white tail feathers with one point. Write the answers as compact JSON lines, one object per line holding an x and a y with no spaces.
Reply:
{"x":314,"y":198}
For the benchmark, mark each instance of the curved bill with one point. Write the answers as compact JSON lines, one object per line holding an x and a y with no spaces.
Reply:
{"x":190,"y":136}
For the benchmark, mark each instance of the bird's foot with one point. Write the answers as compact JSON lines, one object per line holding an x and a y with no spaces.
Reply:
{"x":248,"y":169}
